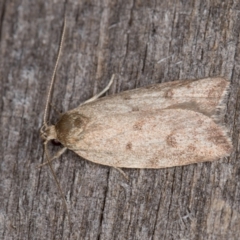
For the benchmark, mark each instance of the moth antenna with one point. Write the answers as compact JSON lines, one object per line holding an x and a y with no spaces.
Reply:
{"x":57,"y":182}
{"x":54,"y":74}
{"x":46,"y":116}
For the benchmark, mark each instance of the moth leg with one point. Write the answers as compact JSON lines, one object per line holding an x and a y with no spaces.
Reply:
{"x":101,"y":93}
{"x":122,"y":172}
{"x":57,"y":155}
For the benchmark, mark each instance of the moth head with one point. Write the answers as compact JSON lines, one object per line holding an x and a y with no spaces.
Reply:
{"x":48,"y":133}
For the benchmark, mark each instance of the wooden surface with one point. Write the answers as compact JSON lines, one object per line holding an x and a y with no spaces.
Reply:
{"x":142,"y":42}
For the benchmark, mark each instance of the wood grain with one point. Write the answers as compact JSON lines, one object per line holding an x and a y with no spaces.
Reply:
{"x":143,"y":42}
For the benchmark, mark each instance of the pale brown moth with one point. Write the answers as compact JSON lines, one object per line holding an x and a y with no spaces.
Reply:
{"x":158,"y":126}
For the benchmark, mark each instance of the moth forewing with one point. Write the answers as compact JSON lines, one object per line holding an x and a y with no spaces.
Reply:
{"x":163,"y":125}
{"x":204,"y":96}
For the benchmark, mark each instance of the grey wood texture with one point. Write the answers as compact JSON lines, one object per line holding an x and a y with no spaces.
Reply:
{"x":142,"y":42}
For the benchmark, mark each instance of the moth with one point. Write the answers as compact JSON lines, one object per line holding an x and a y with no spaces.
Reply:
{"x":158,"y":126}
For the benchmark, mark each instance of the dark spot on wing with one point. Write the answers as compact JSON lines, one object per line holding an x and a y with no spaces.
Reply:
{"x":171,"y":141}
{"x":129,"y":146}
{"x":138,"y":125}
{"x":135,"y":109}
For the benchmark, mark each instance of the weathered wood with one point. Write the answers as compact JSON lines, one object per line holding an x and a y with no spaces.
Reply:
{"x":142,"y":42}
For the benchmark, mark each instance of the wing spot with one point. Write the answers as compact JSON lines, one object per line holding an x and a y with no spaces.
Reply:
{"x":171,"y":141}
{"x":169,"y":93}
{"x":191,"y":148}
{"x":135,"y":109}
{"x":127,"y":97}
{"x":129,"y":146}
{"x":138,"y":125}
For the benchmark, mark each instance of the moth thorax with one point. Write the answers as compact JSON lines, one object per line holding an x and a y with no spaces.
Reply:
{"x":69,"y":127}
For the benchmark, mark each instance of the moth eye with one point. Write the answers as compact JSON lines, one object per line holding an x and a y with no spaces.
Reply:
{"x":55,"y":142}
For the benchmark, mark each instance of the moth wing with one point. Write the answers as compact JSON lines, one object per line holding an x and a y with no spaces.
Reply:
{"x":204,"y":96}
{"x":155,"y":139}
